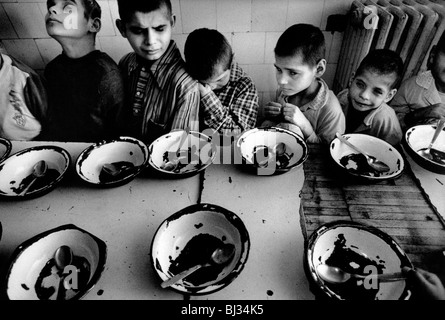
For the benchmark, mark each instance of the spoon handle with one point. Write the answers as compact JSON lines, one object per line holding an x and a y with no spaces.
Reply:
{"x":180,"y":276}
{"x":344,"y":140}
{"x":439,"y":128}
{"x":25,"y":191}
{"x":385,"y":277}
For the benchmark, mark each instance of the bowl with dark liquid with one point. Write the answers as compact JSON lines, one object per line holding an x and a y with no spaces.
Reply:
{"x":355,"y":164}
{"x":360,"y":249}
{"x":34,"y":275}
{"x":5,"y":148}
{"x":271,"y":150}
{"x":17,"y":171}
{"x":181,"y":154}
{"x":189,"y":237}
{"x":112,"y":163}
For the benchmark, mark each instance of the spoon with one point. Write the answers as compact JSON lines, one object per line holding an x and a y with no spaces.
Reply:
{"x":377,"y":165}
{"x":63,"y":258}
{"x":336,"y":275}
{"x":171,"y":165}
{"x":113,"y":170}
{"x":426,"y":152}
{"x":219,"y":256}
{"x":38,"y":171}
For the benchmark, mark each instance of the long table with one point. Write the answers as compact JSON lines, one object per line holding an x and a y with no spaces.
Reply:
{"x":127,"y":217}
{"x":406,"y":208}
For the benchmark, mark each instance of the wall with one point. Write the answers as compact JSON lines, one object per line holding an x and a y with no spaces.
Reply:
{"x":252,"y":27}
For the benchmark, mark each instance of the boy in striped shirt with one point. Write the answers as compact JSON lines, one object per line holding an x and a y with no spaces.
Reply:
{"x":161,"y":95}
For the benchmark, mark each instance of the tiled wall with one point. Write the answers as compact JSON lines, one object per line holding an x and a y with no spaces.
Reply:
{"x":252,"y":27}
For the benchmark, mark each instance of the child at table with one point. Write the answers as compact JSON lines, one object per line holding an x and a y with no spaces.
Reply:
{"x":229,"y":99}
{"x":23,"y":100}
{"x":304,"y":102}
{"x":428,"y":285}
{"x":85,"y":86}
{"x":421,"y":98}
{"x":161,"y":95}
{"x":370,"y":88}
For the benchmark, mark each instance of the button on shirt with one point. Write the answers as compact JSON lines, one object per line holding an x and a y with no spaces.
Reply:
{"x":161,"y":96}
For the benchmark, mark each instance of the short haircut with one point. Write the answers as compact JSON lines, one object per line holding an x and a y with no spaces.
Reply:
{"x":302,"y":39}
{"x":383,"y":62}
{"x":92,"y":9}
{"x":204,"y":50}
{"x":128,"y":7}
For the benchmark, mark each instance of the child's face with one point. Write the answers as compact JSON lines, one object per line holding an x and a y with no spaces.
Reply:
{"x":149,"y":34}
{"x":369,"y":90}
{"x":293,"y":75}
{"x":438,"y":67}
{"x":66,"y":19}
{"x":220,"y":78}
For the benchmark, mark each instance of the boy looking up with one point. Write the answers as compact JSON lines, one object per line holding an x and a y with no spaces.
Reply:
{"x":161,"y":95}
{"x":371,"y":87}
{"x":304,"y":102}
{"x":85,"y":86}
{"x":229,"y":99}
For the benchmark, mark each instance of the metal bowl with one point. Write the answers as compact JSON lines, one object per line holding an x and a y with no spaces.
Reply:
{"x":419,"y":137}
{"x":5,"y":148}
{"x":356,"y":248}
{"x":188,"y":237}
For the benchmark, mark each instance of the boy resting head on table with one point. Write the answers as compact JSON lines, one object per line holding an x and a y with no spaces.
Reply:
{"x":370,"y":88}
{"x":229,"y":99}
{"x":304,"y":103}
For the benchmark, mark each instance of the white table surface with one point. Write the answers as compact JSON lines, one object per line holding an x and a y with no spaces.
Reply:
{"x":127,"y":217}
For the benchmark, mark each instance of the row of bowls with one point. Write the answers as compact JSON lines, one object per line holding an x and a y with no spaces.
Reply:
{"x":188,"y":237}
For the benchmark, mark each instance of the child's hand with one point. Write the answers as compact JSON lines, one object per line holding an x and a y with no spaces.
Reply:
{"x":294,"y":115}
{"x":272,"y":109}
{"x":428,"y":284}
{"x":204,"y":89}
{"x":437,"y":111}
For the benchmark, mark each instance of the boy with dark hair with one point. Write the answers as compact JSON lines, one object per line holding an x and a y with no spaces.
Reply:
{"x":229,"y":99}
{"x":23,"y":100}
{"x":370,"y":88}
{"x":161,"y":95}
{"x":421,"y":98}
{"x":304,"y":102}
{"x":85,"y":86}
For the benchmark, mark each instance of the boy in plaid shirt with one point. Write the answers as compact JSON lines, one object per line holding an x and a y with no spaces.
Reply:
{"x":229,"y":99}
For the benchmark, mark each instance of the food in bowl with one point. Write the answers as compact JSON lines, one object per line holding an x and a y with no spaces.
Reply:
{"x":17,"y":171}
{"x":419,"y":137}
{"x":360,"y":249}
{"x":33,"y":274}
{"x":182,"y":153}
{"x":113,"y":162}
{"x":356,"y":164}
{"x":271,"y":150}
{"x":5,"y":148}
{"x":189,"y":237}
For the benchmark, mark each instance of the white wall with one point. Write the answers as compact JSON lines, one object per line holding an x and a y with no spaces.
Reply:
{"x":252,"y":27}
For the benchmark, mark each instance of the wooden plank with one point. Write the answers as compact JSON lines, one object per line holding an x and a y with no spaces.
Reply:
{"x":325,"y":204}
{"x":422,"y":227}
{"x":323,"y":211}
{"x":377,"y":209}
{"x":418,"y":240}
{"x":392,"y":216}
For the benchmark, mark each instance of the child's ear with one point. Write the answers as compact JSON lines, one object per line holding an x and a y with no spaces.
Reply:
{"x":321,"y":68}
{"x":121,"y":27}
{"x":390,"y":95}
{"x":173,"y":20}
{"x":351,"y":79}
{"x":95,"y":25}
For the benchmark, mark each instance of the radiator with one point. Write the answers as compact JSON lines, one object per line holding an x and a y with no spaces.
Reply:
{"x":409,"y":27}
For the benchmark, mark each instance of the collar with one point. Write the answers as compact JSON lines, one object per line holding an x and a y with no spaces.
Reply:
{"x":159,"y":67}
{"x":426,"y":81}
{"x":320,"y":99}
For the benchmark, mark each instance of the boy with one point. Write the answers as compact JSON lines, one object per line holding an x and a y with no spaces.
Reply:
{"x":421,"y":98}
{"x":229,"y":99}
{"x":85,"y":86}
{"x":23,"y":100}
{"x":161,"y":95}
{"x":370,"y":88}
{"x":304,"y":102}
